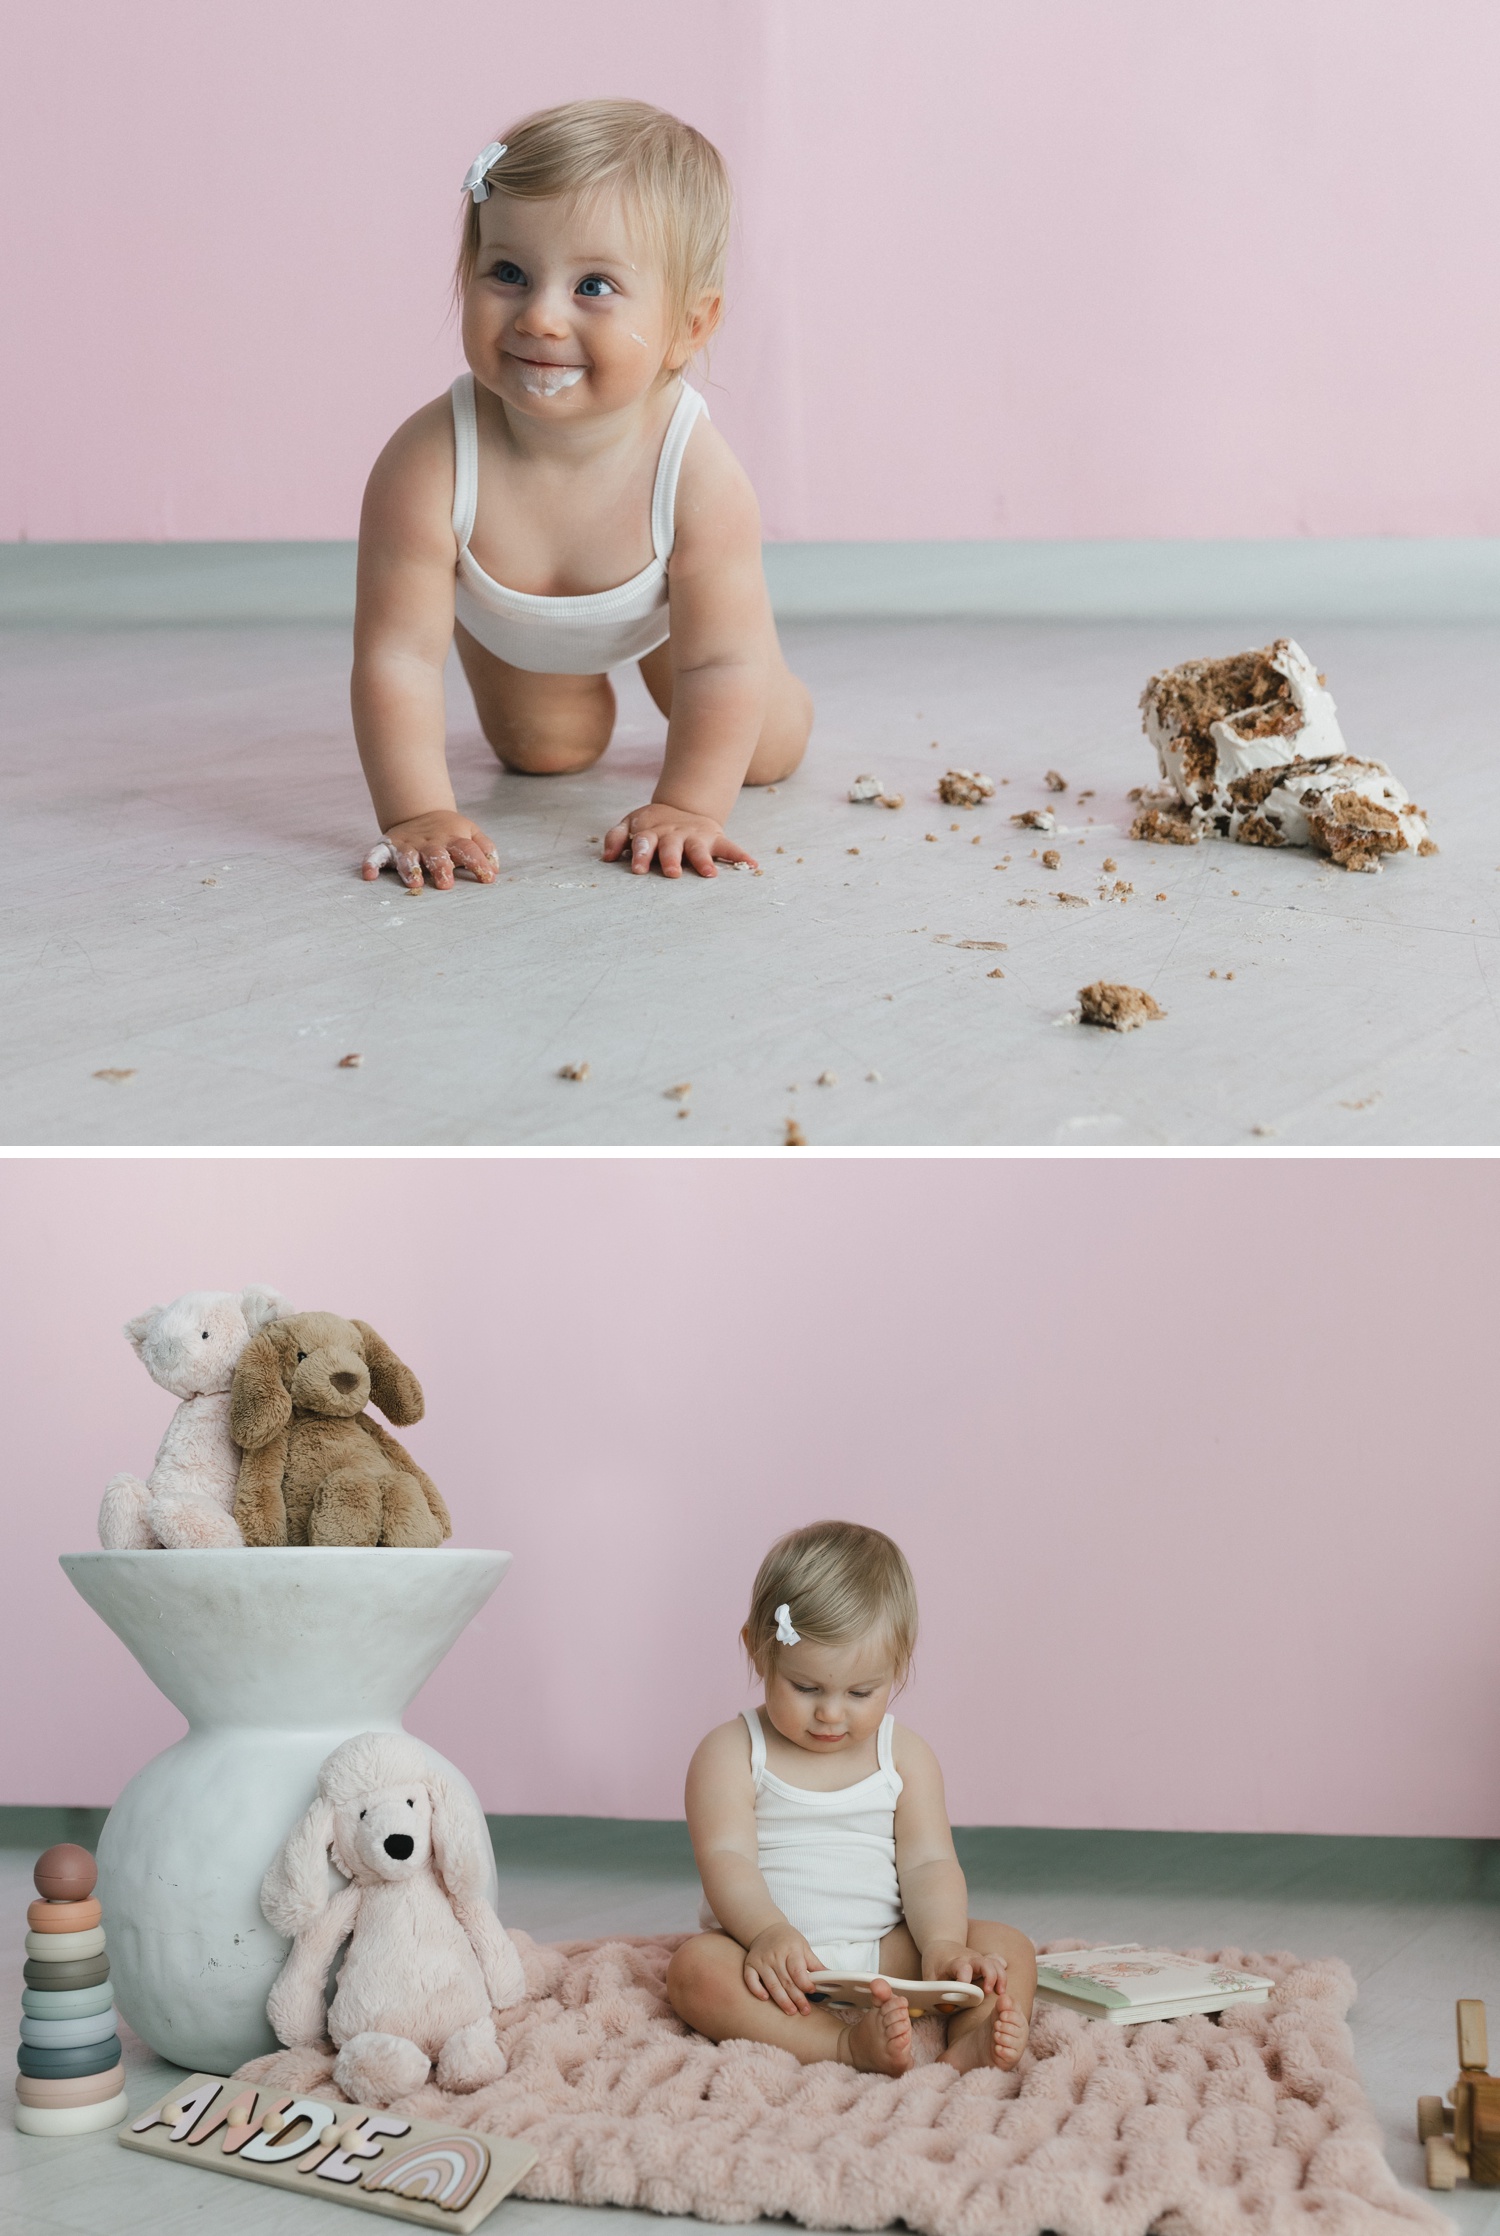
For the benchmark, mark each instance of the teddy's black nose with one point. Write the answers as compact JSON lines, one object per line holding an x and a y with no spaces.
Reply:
{"x":399,"y":1845}
{"x":344,"y":1381}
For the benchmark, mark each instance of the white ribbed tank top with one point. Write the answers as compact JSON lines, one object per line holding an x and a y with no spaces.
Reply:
{"x":829,"y":1859}
{"x":566,"y":636}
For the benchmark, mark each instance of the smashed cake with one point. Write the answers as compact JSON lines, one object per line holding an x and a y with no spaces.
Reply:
{"x":1251,"y":750}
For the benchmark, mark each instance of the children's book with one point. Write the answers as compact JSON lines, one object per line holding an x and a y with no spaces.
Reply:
{"x":1129,"y":1985}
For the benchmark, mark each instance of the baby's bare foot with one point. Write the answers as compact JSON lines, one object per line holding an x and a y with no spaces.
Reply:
{"x":998,"y":2042}
{"x":879,"y":2040}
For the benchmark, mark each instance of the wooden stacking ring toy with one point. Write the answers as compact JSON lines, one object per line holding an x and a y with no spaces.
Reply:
{"x":66,"y":1873}
{"x":66,"y":1948}
{"x":88,"y":1972}
{"x":67,"y":2065}
{"x":64,"y":1917}
{"x":67,"y":2003}
{"x":83,"y":2088}
{"x":68,"y":2034}
{"x":71,"y":2119}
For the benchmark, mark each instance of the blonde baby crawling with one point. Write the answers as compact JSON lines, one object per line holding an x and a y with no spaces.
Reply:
{"x":568,"y":507}
{"x":821,"y":1835}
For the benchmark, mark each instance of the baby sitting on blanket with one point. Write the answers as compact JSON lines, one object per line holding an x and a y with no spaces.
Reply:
{"x":821,"y":1834}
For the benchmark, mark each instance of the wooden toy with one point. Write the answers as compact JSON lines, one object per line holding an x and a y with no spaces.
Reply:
{"x":66,"y":1948}
{"x":58,"y":2065}
{"x":66,"y":2003}
{"x":439,"y":2177}
{"x":89,"y":1972}
{"x":84,"y":2088}
{"x":68,"y":2034}
{"x":922,"y":1995}
{"x":66,"y":1873}
{"x":71,"y":2076}
{"x":63,"y":1917}
{"x":71,"y":2119}
{"x":1463,"y":2135}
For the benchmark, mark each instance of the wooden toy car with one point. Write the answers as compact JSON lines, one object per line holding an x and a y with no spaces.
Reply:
{"x":1463,"y":2135}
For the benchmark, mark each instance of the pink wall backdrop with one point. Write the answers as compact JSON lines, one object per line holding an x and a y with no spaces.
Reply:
{"x":1192,"y":1461}
{"x":1031,"y":268}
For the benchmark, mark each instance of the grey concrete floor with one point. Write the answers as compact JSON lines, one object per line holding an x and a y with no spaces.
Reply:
{"x":184,"y":816}
{"x":1415,"y":1920}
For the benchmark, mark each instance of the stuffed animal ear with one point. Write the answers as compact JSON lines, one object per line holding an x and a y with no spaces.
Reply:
{"x":260,"y":1405}
{"x":295,"y":1892}
{"x":460,"y":1841}
{"x":137,"y":1331}
{"x":259,"y":1306}
{"x":393,"y":1387}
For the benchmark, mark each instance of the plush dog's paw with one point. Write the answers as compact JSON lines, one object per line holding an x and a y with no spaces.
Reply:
{"x":471,"y":2057}
{"x":377,"y":2068}
{"x":407,"y":1518}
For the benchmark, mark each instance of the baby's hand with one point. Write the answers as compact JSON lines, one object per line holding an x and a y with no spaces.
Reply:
{"x":950,"y":1960}
{"x":779,"y":1967}
{"x":439,"y":843}
{"x":672,"y":834}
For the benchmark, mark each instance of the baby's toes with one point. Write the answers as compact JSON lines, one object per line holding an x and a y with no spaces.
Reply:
{"x":1011,"y":2033}
{"x":897,"y":2017}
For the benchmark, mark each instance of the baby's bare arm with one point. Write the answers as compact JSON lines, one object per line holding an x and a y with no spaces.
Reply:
{"x":721,"y":1820}
{"x":934,"y":1894}
{"x":403,"y":627}
{"x":723,"y":653}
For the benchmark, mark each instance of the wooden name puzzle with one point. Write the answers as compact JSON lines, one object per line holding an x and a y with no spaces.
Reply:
{"x":440,"y":2177}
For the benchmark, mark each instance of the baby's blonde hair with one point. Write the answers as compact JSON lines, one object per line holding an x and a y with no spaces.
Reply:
{"x":673,"y":179}
{"x":839,"y":1580}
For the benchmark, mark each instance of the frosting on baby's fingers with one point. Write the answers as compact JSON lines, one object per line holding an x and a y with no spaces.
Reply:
{"x":379,"y":855}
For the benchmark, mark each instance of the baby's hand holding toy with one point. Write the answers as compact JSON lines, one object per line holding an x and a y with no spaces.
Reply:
{"x":673,"y":835}
{"x":950,"y":1960}
{"x":779,"y":1966}
{"x":441,"y":843}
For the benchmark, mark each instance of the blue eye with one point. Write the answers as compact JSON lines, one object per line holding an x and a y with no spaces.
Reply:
{"x":596,"y":286}
{"x":508,"y":274}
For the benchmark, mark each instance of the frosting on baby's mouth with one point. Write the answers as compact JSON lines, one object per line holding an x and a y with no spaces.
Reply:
{"x":547,"y":380}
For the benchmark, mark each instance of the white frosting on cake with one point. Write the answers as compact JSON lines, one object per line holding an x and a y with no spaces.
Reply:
{"x":1351,"y":809}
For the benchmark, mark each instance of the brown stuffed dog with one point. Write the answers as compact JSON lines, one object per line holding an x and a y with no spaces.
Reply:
{"x":316,"y":1469}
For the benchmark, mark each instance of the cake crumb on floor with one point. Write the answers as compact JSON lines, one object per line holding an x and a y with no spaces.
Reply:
{"x":1121,"y":1008}
{"x":794,"y":1137}
{"x":572,"y":1071}
{"x":964,"y":788}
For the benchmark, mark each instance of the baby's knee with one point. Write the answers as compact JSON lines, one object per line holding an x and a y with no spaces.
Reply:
{"x":783,"y":740}
{"x":558,"y":738}
{"x":692,"y":1975}
{"x":1005,"y":1941}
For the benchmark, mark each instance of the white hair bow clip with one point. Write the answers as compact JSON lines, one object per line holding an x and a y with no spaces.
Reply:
{"x":475,"y":182}
{"x":785,"y":1635}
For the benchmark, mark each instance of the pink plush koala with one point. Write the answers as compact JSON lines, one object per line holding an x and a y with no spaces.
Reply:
{"x":190,"y":1348}
{"x":428,"y":1962}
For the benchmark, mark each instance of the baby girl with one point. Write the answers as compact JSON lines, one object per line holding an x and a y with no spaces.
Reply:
{"x":821,"y":1834}
{"x":568,"y":507}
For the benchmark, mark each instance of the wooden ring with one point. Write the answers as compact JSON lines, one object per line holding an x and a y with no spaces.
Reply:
{"x":63,"y":1917}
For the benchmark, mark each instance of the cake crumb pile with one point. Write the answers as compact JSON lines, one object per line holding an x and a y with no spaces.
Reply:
{"x":1250,"y":749}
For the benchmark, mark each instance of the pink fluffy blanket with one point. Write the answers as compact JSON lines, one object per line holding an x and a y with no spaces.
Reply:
{"x":1251,"y":2127}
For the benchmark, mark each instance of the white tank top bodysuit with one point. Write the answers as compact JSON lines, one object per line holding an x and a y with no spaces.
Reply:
{"x":829,"y":1859}
{"x":567,"y":636}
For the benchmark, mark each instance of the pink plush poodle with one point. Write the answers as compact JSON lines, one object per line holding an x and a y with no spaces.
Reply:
{"x":190,"y":1348}
{"x":428,"y":1961}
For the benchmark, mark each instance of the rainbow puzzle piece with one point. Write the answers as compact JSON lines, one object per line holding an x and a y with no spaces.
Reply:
{"x":440,"y":2177}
